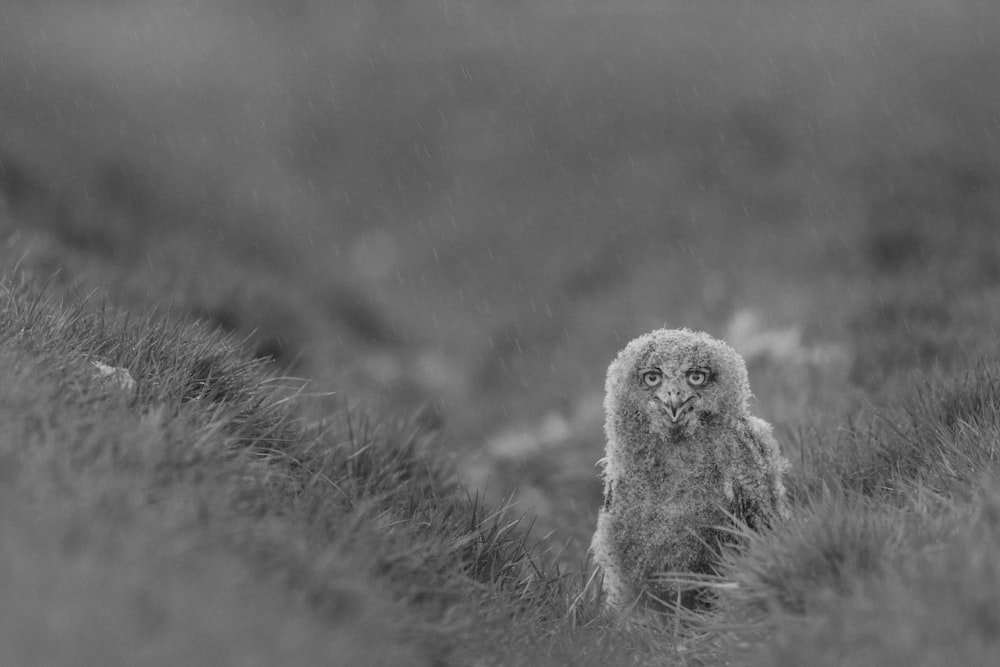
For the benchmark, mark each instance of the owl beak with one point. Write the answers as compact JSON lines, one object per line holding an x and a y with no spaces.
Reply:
{"x":673,"y":399}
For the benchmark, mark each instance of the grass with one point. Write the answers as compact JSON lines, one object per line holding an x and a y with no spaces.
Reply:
{"x":212,"y":487}
{"x":448,"y":218}
{"x":898,"y":507}
{"x":110,"y":500}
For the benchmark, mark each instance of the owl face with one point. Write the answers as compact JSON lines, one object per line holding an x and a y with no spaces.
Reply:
{"x":672,"y":382}
{"x":674,"y":397}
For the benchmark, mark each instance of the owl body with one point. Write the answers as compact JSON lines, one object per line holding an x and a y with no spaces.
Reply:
{"x":684,"y":457}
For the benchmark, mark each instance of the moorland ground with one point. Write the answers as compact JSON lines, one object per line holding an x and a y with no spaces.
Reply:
{"x":451,"y":217}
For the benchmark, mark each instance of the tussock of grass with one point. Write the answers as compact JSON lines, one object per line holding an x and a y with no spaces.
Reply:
{"x":940,"y":438}
{"x":120,"y":511}
{"x":885,"y":558}
{"x":939,"y":606}
{"x":195,"y":461}
{"x":829,"y":547}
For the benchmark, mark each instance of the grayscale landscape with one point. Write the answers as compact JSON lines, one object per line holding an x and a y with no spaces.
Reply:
{"x":307,"y":307}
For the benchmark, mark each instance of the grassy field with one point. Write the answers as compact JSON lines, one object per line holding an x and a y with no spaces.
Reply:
{"x":446,"y":218}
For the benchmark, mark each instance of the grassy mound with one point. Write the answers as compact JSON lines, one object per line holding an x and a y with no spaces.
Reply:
{"x":887,"y":557}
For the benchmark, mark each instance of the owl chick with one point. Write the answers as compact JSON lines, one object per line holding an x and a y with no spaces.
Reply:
{"x":684,"y":456}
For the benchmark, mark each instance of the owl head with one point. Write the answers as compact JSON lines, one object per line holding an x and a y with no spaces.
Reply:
{"x":671,"y":382}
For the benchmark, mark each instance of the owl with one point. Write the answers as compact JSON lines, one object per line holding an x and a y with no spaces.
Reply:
{"x":684,"y":458}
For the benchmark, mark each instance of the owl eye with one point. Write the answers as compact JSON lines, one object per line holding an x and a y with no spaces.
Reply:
{"x":696,"y":378}
{"x":651,"y":378}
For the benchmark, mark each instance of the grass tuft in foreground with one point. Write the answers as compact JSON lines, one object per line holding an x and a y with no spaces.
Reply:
{"x":885,"y":558}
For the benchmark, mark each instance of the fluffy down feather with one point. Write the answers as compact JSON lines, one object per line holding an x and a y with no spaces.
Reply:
{"x":684,"y":457}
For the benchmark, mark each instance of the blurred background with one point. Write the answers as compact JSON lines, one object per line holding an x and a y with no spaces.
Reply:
{"x":465,"y":208}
